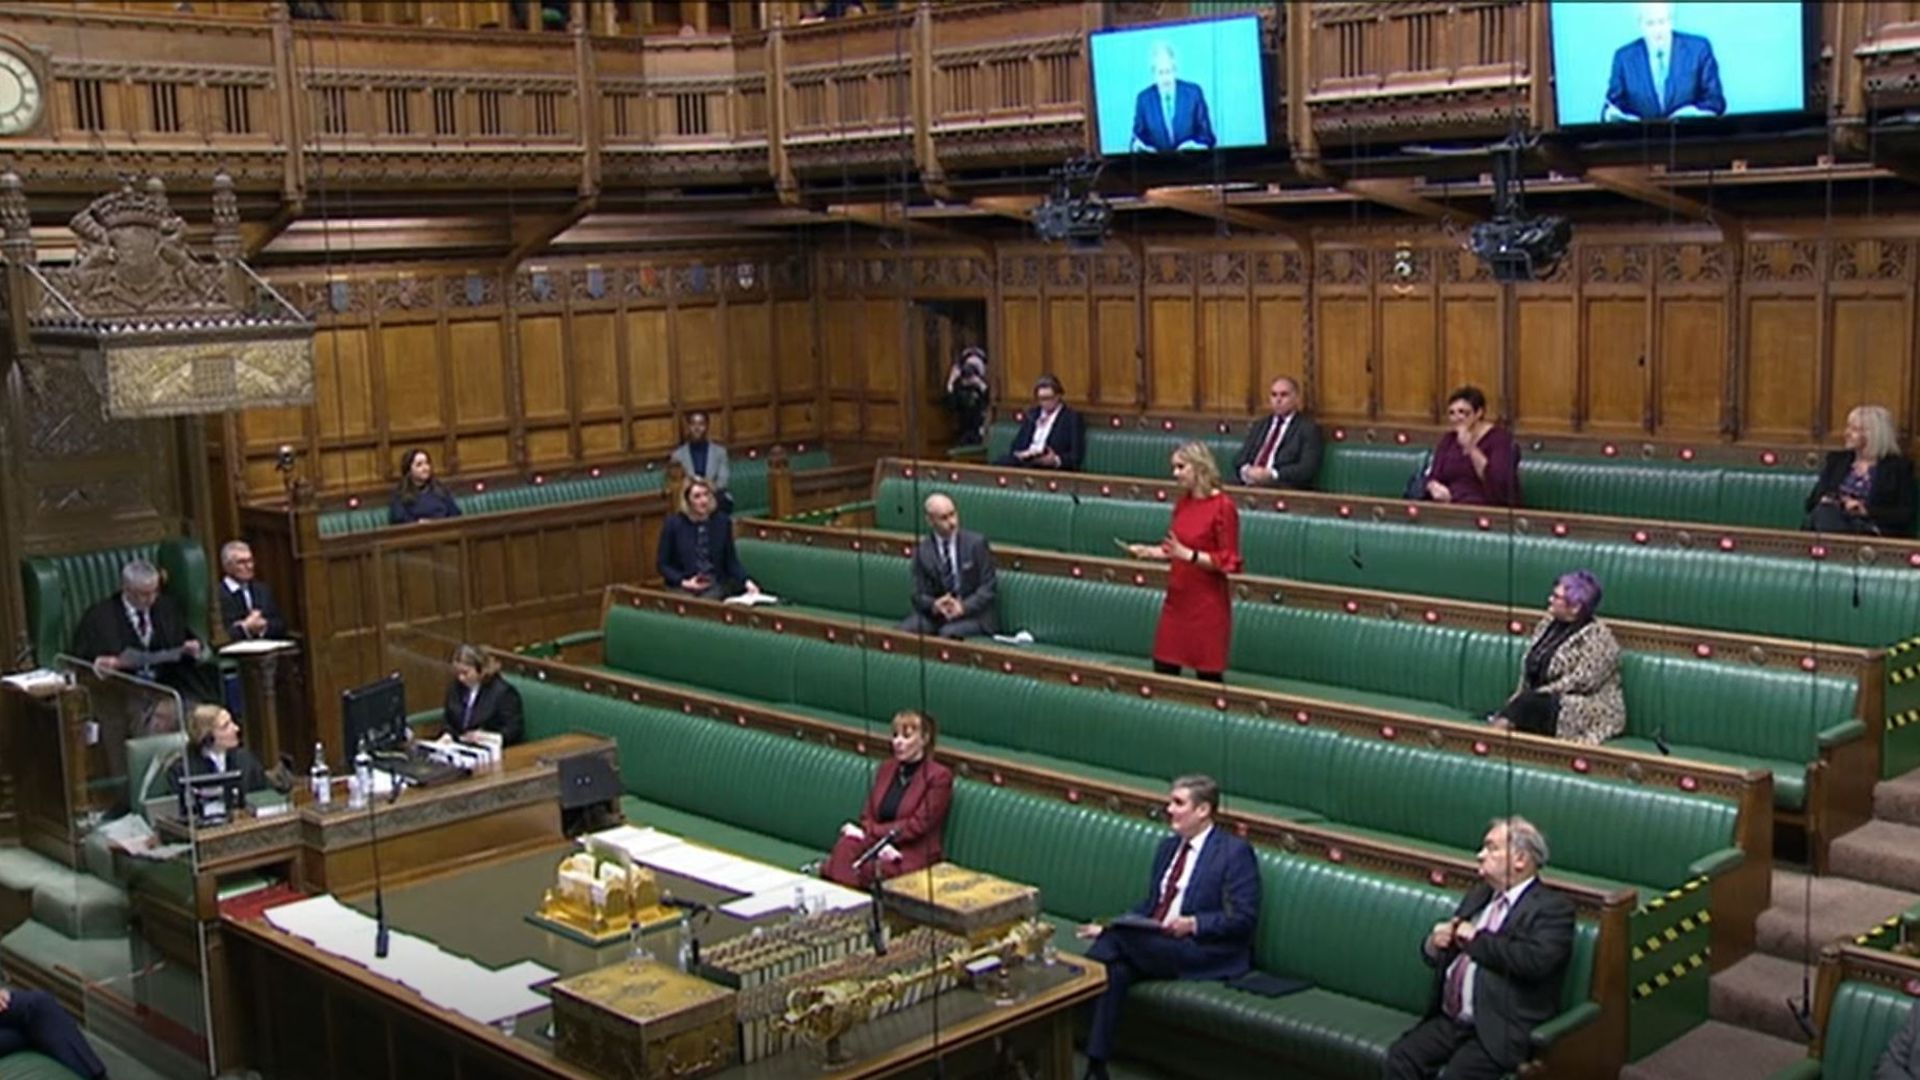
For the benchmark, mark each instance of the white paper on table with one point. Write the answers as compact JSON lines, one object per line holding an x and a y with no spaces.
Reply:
{"x":760,"y":904}
{"x":254,"y":647}
{"x":687,"y":860}
{"x":837,"y":897}
{"x":526,"y":973}
{"x":637,"y":842}
{"x":761,"y":878}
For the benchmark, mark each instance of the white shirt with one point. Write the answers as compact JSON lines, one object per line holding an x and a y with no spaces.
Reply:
{"x":1042,"y":427}
{"x":1479,"y":924}
{"x":219,"y":759}
{"x":245,"y":591}
{"x":1194,"y":847}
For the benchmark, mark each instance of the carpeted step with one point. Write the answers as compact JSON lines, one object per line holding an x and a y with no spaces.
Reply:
{"x":1841,"y":908}
{"x":1753,"y":994}
{"x":1716,"y":1049}
{"x":1898,"y":799}
{"x":1882,"y":852}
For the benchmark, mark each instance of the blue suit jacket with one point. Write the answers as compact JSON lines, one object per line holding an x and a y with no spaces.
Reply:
{"x":1223,"y":896}
{"x":1693,"y":78}
{"x":1190,"y":119}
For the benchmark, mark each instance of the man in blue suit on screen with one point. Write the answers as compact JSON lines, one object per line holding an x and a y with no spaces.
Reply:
{"x":1664,"y":74}
{"x":1170,"y":115}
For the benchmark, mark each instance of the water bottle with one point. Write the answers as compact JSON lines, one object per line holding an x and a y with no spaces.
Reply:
{"x":363,"y":768}
{"x":683,"y":945}
{"x":318,"y":777}
{"x":799,"y":901}
{"x":637,"y":955}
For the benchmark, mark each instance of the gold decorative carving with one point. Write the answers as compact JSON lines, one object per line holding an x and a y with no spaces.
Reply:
{"x":171,"y":380}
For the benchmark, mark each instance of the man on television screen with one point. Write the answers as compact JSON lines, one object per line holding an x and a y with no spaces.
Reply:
{"x":1663,"y":74}
{"x":1170,"y":115}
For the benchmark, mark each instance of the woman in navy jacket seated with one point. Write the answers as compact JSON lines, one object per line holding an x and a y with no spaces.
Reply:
{"x":1867,"y":487}
{"x":909,"y":800}
{"x":419,"y":497}
{"x":697,"y":554}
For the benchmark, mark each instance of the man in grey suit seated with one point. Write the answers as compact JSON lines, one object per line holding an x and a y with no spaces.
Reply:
{"x":953,"y":578}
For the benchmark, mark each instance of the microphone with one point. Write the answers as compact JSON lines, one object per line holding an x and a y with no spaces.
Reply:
{"x":373,"y":850}
{"x":873,"y":852}
{"x":673,"y":901}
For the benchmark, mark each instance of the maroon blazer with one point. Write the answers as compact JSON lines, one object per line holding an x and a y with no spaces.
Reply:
{"x":922,"y":822}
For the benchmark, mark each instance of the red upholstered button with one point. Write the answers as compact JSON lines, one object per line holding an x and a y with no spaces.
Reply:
{"x":1686,"y":453}
{"x":1339,"y":434}
{"x":1113,"y":422}
{"x":1609,"y":450}
{"x":1106,"y":489}
{"x":539,"y":479}
{"x":1334,"y":854}
{"x":1220,"y":703}
{"x":1640,"y":536}
{"x":1160,"y":494}
{"x":481,"y":486}
{"x":946,"y":655}
{"x":687,"y":707}
{"x":886,"y":645}
{"x":1075,"y":571}
{"x":1344,"y":510}
{"x":1400,"y":437}
{"x":679,"y":609}
{"x":1139,"y":579}
{"x":953,"y":477}
{"x":1703,"y":650}
{"x":1006,"y":666}
{"x":1166,"y":425}
{"x":1559,"y":528}
{"x":779,"y":627}
{"x":728,"y":618}
{"x":1768,"y":457}
{"x":1480,"y":747}
{"x":1413,"y":511}
{"x":1808,"y":663}
{"x":1581,"y":765}
{"x":594,"y":472}
{"x":1688,"y":783}
{"x":1483,"y":523}
{"x":1818,"y":551}
{"x":1053,"y":485}
{"x":1073,"y":795}
{"x":1073,"y":677}
{"x":856,"y":545}
{"x":1001,"y":480}
{"x":1727,"y":544}
{"x":860,"y":748}
{"x":1302,"y":717}
{"x":1389,"y":732}
{"x":1223,"y":427}
{"x":1914,"y":559}
{"x":1432,"y":615}
{"x":999,"y":780}
{"x":353,"y":503}
{"x":752,"y":454}
{"x":1352,"y":606}
{"x":907,"y":472}
{"x":832,"y":634}
{"x":906,"y":551}
{"x":1280,"y":505}
{"x":1437,"y":876}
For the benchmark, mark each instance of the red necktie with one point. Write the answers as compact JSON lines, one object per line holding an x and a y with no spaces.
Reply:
{"x":1172,"y":888}
{"x":1265,"y":458}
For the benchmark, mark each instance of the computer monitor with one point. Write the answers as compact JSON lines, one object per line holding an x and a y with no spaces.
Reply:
{"x":374,"y":715}
{"x":211,"y":798}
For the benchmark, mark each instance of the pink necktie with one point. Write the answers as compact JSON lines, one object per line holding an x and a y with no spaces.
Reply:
{"x":1454,"y":1000}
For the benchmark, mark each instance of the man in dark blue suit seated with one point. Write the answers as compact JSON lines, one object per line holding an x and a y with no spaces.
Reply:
{"x":1196,"y":922}
{"x":1052,"y":435}
{"x":1664,"y":74}
{"x":1171,"y":115}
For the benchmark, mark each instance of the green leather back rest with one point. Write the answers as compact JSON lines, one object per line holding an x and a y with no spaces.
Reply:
{"x":1088,"y":863}
{"x":753,"y":664}
{"x":58,"y":589}
{"x":33,"y":1065}
{"x":1765,"y":498}
{"x":1097,"y":523}
{"x":1864,"y":1019}
{"x":1723,"y":705}
{"x":1359,"y":469}
{"x":1635,"y":489}
{"x":1701,"y":703}
{"x":1614,"y":830}
{"x":747,"y":480}
{"x":144,"y":752}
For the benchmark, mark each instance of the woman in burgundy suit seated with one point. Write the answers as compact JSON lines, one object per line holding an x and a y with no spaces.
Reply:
{"x":909,"y":800}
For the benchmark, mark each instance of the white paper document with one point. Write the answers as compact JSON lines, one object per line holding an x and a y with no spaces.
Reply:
{"x":254,"y":647}
{"x":754,"y":600}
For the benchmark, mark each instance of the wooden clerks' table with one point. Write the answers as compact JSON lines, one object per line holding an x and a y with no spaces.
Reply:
{"x":315,"y":1015}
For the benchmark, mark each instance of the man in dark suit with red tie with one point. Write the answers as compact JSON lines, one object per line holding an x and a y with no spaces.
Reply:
{"x":1283,"y":450}
{"x":1197,"y":919}
{"x":1497,"y":961}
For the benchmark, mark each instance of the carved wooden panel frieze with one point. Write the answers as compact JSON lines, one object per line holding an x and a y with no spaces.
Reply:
{"x":1116,"y":269}
{"x":1341,"y":266}
{"x":1613,"y":264}
{"x":1280,"y":268}
{"x":1020,"y":271}
{"x":406,"y":293}
{"x":1871,"y":260}
{"x":1223,"y":269}
{"x":1690,"y":264}
{"x":1066,"y":271}
{"x":1169,"y":268}
{"x":473,"y":290}
{"x":1781,"y":261}
{"x":1458,"y":266}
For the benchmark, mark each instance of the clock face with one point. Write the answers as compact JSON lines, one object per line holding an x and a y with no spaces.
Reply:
{"x":20,"y":98}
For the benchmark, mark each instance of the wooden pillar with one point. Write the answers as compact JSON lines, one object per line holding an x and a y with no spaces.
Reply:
{"x":779,"y":483}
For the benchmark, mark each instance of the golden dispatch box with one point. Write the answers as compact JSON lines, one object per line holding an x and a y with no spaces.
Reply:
{"x":653,"y":1023}
{"x":964,"y":902}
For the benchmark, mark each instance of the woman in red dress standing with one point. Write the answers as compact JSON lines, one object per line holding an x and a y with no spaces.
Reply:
{"x":1203,"y":547}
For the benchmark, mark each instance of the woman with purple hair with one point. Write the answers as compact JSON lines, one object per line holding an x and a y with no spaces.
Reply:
{"x":1570,"y":681}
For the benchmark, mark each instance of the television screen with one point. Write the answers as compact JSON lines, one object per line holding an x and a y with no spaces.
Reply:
{"x":374,"y":715}
{"x":1624,"y":63}
{"x":1179,"y":87}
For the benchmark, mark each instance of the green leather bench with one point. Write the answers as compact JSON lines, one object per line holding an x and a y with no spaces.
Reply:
{"x":32,"y":1065}
{"x":686,"y":774}
{"x":1757,"y":497}
{"x":1609,"y":834}
{"x":58,"y":589}
{"x":748,"y":483}
{"x":1725,"y":713}
{"x":1862,"y":1020}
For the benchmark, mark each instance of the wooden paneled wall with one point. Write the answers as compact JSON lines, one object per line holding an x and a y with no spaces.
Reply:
{"x":1669,"y":331}
{"x":564,"y":364}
